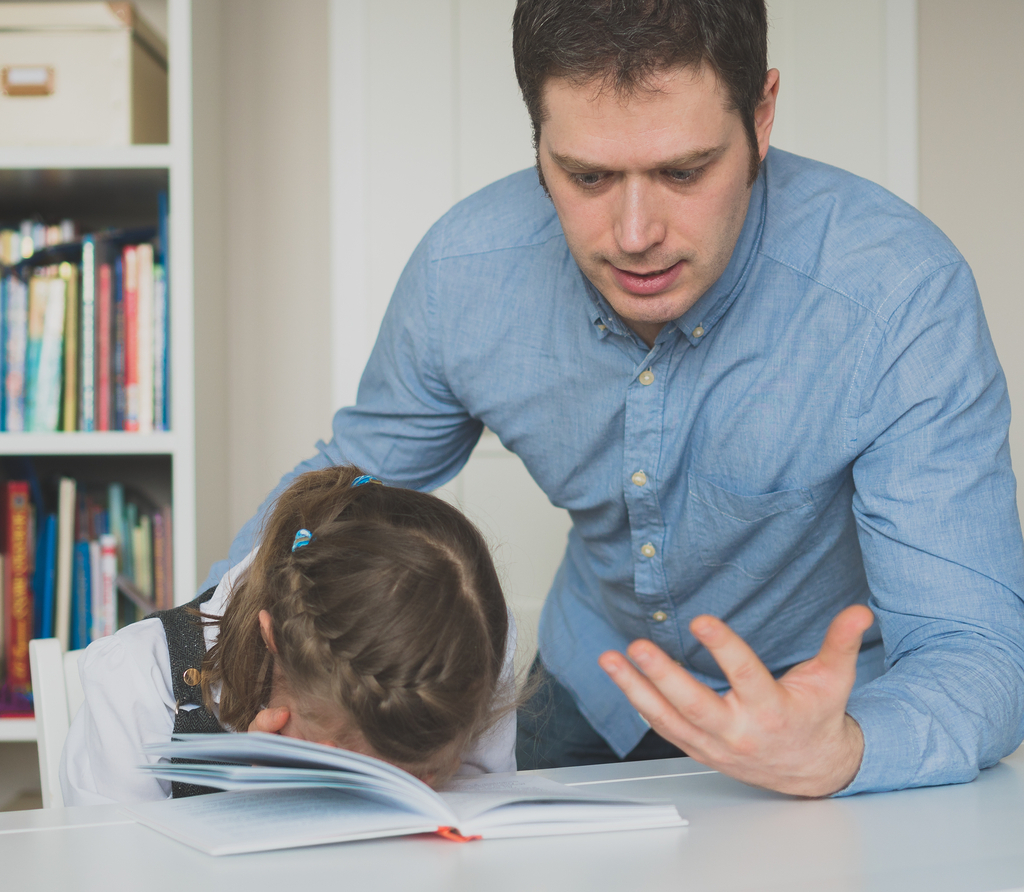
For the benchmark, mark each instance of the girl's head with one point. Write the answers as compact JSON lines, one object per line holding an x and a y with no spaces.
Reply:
{"x":386,"y":632}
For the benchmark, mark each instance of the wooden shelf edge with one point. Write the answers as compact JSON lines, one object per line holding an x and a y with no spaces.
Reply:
{"x":78,"y":443}
{"x":84,"y":157}
{"x":17,"y":730}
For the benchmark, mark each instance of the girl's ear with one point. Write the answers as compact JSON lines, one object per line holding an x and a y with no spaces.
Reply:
{"x":267,"y":631}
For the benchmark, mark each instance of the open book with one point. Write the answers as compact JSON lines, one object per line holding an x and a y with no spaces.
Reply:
{"x":286,"y":793}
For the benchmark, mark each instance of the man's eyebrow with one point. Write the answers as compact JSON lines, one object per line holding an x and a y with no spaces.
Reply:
{"x":682,"y":162}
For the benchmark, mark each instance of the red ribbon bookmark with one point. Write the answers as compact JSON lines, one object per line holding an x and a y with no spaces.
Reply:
{"x":454,"y":835}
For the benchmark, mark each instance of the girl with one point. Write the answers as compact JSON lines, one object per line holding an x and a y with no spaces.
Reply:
{"x":369,"y":617}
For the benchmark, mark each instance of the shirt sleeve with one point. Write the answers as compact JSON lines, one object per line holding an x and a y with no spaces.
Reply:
{"x":935,"y":505}
{"x":128,"y":703}
{"x":406,"y":427}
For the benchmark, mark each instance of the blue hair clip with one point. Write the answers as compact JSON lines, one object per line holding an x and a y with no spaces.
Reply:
{"x":302,"y":537}
{"x":365,"y":478}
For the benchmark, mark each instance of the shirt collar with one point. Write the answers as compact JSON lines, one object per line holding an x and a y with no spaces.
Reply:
{"x":703,"y":315}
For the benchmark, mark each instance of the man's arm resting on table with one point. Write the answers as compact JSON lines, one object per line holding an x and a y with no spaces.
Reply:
{"x":791,"y":735}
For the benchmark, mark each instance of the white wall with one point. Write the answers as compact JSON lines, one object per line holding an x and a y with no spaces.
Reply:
{"x":972,"y":178}
{"x":263,"y":384}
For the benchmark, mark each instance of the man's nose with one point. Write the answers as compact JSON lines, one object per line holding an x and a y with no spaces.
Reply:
{"x":639,"y":225}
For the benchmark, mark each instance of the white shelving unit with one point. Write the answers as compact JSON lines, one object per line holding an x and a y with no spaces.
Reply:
{"x":106,"y":182}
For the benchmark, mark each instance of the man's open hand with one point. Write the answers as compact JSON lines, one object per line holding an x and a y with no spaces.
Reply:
{"x":792,"y":735}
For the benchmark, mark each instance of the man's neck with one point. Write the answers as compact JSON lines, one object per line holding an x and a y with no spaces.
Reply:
{"x":648,"y":331}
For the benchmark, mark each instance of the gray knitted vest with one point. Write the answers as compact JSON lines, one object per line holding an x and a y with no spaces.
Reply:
{"x":187,"y":648}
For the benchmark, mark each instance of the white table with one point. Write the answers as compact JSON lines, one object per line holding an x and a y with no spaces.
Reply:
{"x":965,"y":837}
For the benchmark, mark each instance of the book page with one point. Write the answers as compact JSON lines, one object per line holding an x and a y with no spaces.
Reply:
{"x":232,"y":823}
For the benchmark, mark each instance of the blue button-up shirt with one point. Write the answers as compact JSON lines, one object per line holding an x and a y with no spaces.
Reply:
{"x":826,"y":426}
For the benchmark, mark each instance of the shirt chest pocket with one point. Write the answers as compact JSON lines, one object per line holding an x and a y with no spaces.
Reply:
{"x":756,"y":534}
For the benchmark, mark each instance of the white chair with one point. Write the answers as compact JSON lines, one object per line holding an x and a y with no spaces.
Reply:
{"x":57,"y":694}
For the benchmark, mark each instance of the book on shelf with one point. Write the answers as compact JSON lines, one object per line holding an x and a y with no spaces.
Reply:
{"x":104,"y":329}
{"x":286,"y":793}
{"x":71,"y":360}
{"x":87,"y":338}
{"x":84,"y":328}
{"x":18,"y":607}
{"x":66,"y":575}
{"x":65,"y":558}
{"x":15,"y":348}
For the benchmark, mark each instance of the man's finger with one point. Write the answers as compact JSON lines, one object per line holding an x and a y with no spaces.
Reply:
{"x":841,"y":647}
{"x":748,"y":677}
{"x":675,"y":704}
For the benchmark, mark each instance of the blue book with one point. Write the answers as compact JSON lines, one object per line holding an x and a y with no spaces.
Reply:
{"x":161,"y":340}
{"x":15,"y":346}
{"x":48,"y":557}
{"x":87,"y":340}
{"x":38,"y":571}
{"x":81,"y":597}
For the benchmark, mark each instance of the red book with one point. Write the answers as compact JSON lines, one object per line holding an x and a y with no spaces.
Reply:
{"x":131,"y":338}
{"x":18,"y":609}
{"x":104,"y":326}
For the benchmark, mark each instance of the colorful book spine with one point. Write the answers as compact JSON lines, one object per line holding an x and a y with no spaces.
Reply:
{"x":38,"y":298}
{"x":118,"y":348}
{"x":104,"y":359}
{"x":108,"y":581}
{"x":130,"y":284}
{"x":45,"y":579}
{"x":45,"y":390}
{"x":81,"y":621}
{"x":95,"y":591}
{"x":87,"y":363}
{"x":144,"y":263}
{"x":69,"y":400}
{"x":16,"y":330}
{"x":19,"y":610}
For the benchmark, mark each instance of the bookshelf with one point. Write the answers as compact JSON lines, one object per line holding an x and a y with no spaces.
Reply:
{"x":117,"y":186}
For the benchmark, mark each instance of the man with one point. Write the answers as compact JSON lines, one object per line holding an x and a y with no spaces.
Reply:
{"x":763,"y":389}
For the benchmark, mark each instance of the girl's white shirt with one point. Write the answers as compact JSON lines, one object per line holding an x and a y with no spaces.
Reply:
{"x":129,"y":702}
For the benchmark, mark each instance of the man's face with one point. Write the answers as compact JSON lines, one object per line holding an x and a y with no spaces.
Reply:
{"x":651,"y":189}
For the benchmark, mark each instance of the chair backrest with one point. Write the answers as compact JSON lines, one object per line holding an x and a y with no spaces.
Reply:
{"x":57,"y":695}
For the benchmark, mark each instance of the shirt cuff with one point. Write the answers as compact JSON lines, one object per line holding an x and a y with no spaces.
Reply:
{"x":891,"y":757}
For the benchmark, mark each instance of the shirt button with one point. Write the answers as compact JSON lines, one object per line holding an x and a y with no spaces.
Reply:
{"x":698,"y":332}
{"x":646,"y":377}
{"x":647,"y":550}
{"x":659,"y":616}
{"x":639,"y":478}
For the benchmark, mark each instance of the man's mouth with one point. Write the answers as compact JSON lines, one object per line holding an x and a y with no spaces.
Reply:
{"x":647,"y":282}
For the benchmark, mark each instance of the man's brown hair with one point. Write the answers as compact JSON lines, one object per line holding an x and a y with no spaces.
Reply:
{"x":393,"y":613}
{"x":623,"y":44}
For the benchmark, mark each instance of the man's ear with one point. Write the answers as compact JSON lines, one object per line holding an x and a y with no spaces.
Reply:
{"x":764,"y":114}
{"x":267,"y":631}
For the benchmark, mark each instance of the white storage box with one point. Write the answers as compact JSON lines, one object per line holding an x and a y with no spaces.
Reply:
{"x":80,"y":74}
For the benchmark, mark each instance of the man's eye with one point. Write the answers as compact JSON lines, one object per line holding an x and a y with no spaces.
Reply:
{"x":586,"y":179}
{"x":684,"y":176}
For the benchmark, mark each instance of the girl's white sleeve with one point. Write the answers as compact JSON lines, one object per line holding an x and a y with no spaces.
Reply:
{"x":128,"y":703}
{"x":495,"y":751}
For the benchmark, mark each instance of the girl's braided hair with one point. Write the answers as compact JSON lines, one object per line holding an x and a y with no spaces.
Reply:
{"x":393,"y":612}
